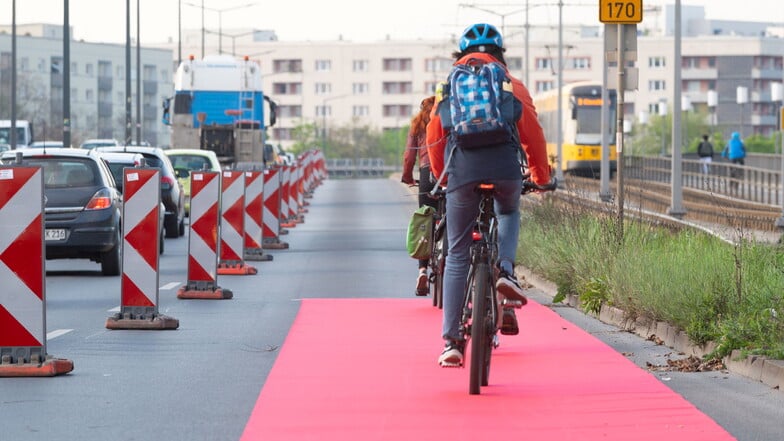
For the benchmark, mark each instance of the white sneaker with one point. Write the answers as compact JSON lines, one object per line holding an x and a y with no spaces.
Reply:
{"x":421,"y":286}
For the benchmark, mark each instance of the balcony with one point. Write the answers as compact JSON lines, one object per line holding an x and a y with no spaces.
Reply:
{"x":699,"y":74}
{"x":150,"y":87}
{"x":104,"y":83}
{"x":105,"y":109}
{"x":766,"y":74}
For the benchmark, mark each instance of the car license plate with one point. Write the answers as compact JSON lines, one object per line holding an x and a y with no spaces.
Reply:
{"x":54,"y":234}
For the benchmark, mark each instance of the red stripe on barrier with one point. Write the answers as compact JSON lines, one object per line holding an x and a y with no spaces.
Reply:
{"x":14,"y":334}
{"x":132,"y":295}
{"x":206,"y":228}
{"x":23,"y":257}
{"x":196,"y":272}
{"x":139,"y":237}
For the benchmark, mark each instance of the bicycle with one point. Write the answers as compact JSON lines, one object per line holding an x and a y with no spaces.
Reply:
{"x":438,"y":249}
{"x":481,"y":319}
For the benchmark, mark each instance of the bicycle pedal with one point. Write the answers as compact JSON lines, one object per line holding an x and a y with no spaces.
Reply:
{"x":517,"y":304}
{"x":451,"y":365}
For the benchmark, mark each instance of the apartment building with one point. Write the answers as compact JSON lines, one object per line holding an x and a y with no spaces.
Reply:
{"x":98,"y":85}
{"x":380,"y":84}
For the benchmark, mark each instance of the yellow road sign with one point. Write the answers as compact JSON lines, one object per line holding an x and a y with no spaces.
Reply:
{"x":620,"y":12}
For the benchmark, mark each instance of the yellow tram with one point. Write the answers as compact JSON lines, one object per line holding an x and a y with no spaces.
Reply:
{"x":581,"y":147}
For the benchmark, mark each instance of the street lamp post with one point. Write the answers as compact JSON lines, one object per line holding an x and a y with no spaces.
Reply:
{"x":324,"y":121}
{"x":742,"y":97}
{"x":713,"y":102}
{"x":663,"y":114}
{"x":777,"y":96}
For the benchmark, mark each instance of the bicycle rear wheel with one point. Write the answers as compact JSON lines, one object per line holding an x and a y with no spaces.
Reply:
{"x":480,"y":338}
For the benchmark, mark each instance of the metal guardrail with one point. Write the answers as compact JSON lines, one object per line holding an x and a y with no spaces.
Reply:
{"x":753,"y":184}
{"x":359,"y":168}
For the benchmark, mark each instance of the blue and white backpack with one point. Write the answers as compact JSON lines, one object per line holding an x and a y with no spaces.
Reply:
{"x":478,"y":107}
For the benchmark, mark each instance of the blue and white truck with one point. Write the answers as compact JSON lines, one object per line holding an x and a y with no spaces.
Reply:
{"x":219,"y":105}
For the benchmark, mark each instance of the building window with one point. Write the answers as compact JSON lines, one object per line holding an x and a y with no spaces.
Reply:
{"x":514,"y":63}
{"x":396,"y":87}
{"x":361,"y":65}
{"x":323,"y":65}
{"x":323,"y":88}
{"x":656,"y":62}
{"x":294,"y":111}
{"x":89,"y":95}
{"x":656,"y":85}
{"x":287,"y":66}
{"x":323,"y":110}
{"x":397,"y":64}
{"x":74,"y":68}
{"x":360,"y":88}
{"x":438,"y":64}
{"x":120,"y":75}
{"x":282,"y":134}
{"x":287,"y":88}
{"x":579,"y":63}
{"x":544,"y":64}
{"x":360,"y":111}
{"x":543,"y":86}
{"x":88,"y":70}
{"x":397,"y":110}
{"x":430,"y":87}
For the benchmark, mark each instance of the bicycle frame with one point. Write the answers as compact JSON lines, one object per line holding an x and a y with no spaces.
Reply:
{"x":480,"y":318}
{"x":438,"y":250}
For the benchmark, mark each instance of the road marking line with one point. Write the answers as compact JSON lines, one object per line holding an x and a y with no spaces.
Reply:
{"x":115,"y":309}
{"x":171,"y":285}
{"x":56,"y":333}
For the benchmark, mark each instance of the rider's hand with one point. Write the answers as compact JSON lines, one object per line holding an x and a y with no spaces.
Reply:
{"x":407,"y":180}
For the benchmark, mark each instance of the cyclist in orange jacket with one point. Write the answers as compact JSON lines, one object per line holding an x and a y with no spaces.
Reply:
{"x":417,"y":148}
{"x":498,"y":164}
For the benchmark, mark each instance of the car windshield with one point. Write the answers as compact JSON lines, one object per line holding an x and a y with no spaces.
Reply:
{"x":117,"y":172}
{"x":65,"y":172}
{"x":190,"y":162}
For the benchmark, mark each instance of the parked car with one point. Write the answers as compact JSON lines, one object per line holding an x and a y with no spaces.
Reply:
{"x":45,"y":144}
{"x":191,"y":160}
{"x":172,"y":194}
{"x":83,"y":207}
{"x":93,"y":143}
{"x":117,"y":162}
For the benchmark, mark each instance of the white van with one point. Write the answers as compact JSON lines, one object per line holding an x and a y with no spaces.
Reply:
{"x":24,"y":132}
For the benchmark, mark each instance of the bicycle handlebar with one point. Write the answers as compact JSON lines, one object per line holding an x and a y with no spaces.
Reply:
{"x":531,"y":186}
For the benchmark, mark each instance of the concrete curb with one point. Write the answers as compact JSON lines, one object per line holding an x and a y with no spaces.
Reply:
{"x":767,"y":371}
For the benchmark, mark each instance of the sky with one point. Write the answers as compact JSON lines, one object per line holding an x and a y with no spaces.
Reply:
{"x":355,"y":20}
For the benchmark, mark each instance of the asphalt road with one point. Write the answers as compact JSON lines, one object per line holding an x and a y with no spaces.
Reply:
{"x":200,"y":382}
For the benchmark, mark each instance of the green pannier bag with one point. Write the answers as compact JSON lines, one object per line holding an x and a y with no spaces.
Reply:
{"x":419,"y":236}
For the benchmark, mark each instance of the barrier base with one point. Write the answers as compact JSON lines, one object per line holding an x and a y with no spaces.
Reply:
{"x":49,"y":368}
{"x":276,"y":244}
{"x":236,"y":269}
{"x":283,"y":231}
{"x":204,"y":294}
{"x":256,"y":255}
{"x":153,"y":322}
{"x":289,"y":224}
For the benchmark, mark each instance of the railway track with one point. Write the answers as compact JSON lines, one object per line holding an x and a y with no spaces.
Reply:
{"x":702,"y":207}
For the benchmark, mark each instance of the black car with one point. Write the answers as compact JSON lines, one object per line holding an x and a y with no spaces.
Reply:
{"x":117,"y":163}
{"x":172,"y":195}
{"x":82,"y":206}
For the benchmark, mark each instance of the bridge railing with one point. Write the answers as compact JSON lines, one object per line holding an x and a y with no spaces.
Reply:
{"x":754,"y":184}
{"x":359,"y":168}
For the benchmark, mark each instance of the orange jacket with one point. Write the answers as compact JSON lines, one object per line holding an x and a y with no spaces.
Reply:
{"x":531,"y":134}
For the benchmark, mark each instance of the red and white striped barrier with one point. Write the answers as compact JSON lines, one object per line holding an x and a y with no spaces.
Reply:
{"x":139,"y":283}
{"x":272,"y":206}
{"x":232,"y":232}
{"x":286,"y":221}
{"x":23,"y":295}
{"x":254,"y":208}
{"x":203,"y":239}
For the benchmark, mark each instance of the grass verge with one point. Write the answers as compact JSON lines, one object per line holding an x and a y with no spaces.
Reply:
{"x":732,"y":295}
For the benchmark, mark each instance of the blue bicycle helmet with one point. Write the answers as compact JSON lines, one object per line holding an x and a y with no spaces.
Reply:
{"x":479,"y":34}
